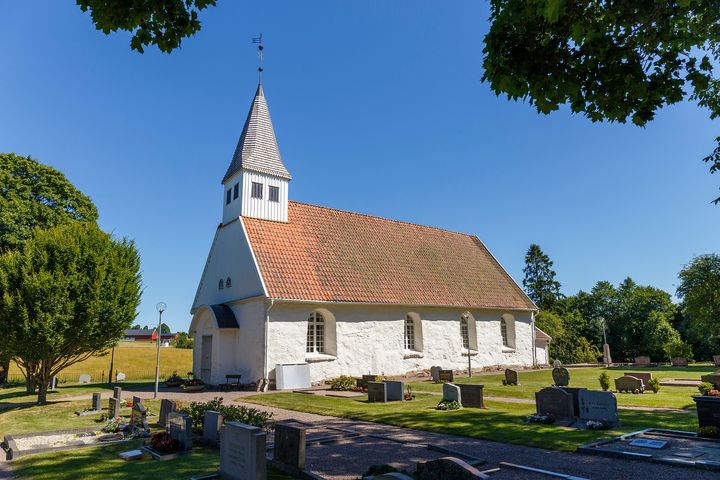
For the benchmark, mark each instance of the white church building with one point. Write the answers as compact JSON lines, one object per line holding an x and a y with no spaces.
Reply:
{"x":347,"y":293}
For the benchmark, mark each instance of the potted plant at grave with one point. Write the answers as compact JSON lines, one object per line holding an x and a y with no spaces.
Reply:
{"x":708,"y":405}
{"x":174,"y":380}
{"x":194,"y":385}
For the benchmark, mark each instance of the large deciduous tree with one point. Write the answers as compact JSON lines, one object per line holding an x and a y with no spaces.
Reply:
{"x":69,"y":294}
{"x":164,"y":23}
{"x":33,"y":195}
{"x":699,"y":292}
{"x":608,"y":60}
{"x":539,"y":280}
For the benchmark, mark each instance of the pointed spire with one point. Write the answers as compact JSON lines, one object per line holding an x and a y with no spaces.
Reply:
{"x":257,"y":149}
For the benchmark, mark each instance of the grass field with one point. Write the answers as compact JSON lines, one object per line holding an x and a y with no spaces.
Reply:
{"x":532,"y":381}
{"x":135,"y":359}
{"x":502,"y":421}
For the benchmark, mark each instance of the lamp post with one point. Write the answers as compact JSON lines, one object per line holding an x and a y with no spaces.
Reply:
{"x":161,"y":306}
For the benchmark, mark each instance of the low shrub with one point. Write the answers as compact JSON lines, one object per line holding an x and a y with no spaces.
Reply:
{"x":231,"y":413}
{"x":709,"y":432}
{"x":705,"y":387}
{"x":604,"y":380}
{"x":654,"y":385}
{"x":343,"y":382}
{"x":162,"y":442}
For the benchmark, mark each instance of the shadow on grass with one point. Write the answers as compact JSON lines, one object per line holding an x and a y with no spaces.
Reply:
{"x":73,"y":390}
{"x":695,"y":369}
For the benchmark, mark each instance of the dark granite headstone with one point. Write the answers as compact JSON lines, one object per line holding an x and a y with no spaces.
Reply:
{"x":97,"y":402}
{"x":289,"y":449}
{"x":446,"y":376}
{"x":556,"y":402}
{"x":138,"y":416}
{"x":708,"y":411}
{"x":395,"y":390}
{"x":166,"y":407}
{"x":471,"y":395}
{"x":511,"y":377}
{"x":713,"y":378}
{"x":179,"y":426}
{"x":117,"y":392}
{"x":575,"y":391}
{"x":377,"y":392}
{"x":212,"y":423}
{"x":561,"y":376}
{"x":597,"y":405}
{"x":363,"y":382}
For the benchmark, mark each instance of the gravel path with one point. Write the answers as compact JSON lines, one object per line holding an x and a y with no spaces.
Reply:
{"x":339,"y":456}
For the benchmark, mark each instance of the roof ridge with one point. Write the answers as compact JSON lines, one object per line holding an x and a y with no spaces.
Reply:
{"x":368,"y":215}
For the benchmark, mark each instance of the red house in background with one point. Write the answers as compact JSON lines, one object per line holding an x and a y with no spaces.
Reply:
{"x":147,"y":335}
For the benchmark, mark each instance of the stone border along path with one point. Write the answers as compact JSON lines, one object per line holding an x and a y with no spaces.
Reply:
{"x":572,"y":463}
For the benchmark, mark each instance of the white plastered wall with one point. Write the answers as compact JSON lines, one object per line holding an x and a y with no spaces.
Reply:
{"x":369,"y":339}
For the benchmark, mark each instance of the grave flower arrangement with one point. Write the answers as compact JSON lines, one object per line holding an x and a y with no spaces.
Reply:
{"x":115,"y":425}
{"x":194,"y":385}
{"x":174,"y":380}
{"x":409,"y":395}
{"x":597,"y":425}
{"x":542,"y":418}
{"x":709,"y":432}
{"x":164,"y":444}
{"x":448,"y":405}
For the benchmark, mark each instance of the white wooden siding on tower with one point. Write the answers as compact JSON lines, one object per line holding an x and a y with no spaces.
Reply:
{"x":263,"y":207}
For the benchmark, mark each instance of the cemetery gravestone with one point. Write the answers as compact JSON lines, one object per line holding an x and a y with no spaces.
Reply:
{"x":84,"y":378}
{"x":166,"y":407}
{"x":52,"y":385}
{"x":242,"y":452}
{"x":471,"y":395}
{"x":435,"y":373}
{"x":511,"y":377}
{"x":289,"y":449}
{"x":561,"y":376}
{"x":395,"y":390}
{"x":138,"y":417}
{"x":96,"y":402}
{"x":114,"y":407}
{"x":377,"y":392}
{"x":363,"y":382}
{"x":117,"y":392}
{"x":451,"y":393}
{"x":629,"y":384}
{"x":679,"y":361}
{"x":713,"y":378}
{"x":557,"y":363}
{"x":447,"y":468}
{"x":211,"y":427}
{"x":716,"y":360}
{"x":180,"y":428}
{"x":596,"y":405}
{"x":708,"y":411}
{"x":644,"y":376}
{"x":643,"y":360}
{"x":556,"y":402}
{"x":574,"y":391}
{"x":446,"y":376}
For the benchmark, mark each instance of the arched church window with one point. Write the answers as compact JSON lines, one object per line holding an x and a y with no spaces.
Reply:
{"x":409,"y":333}
{"x":221,"y":285}
{"x":507,"y":330}
{"x":316,"y":333}
{"x":228,"y":282}
{"x":464,"y":330}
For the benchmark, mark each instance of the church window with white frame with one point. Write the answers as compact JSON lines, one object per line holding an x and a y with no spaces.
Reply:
{"x":465,"y":330}
{"x":316,"y":333}
{"x":409,"y":333}
{"x":504,"y":332}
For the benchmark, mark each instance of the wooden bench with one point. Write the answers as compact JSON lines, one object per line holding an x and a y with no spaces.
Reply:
{"x":232,"y":385}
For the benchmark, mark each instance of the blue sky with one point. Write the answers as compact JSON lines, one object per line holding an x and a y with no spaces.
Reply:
{"x":378,"y":108}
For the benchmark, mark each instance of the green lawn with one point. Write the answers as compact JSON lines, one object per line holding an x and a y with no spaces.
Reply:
{"x":18,"y":395}
{"x":100,"y":463}
{"x":532,"y":381}
{"x":502,"y":421}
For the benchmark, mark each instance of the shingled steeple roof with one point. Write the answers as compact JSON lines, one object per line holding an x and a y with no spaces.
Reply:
{"x":257,"y":149}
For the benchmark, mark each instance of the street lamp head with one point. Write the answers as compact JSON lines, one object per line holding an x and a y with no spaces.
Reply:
{"x":161,"y":306}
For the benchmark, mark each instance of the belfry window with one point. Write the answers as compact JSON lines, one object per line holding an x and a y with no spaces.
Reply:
{"x":257,"y":190}
{"x":236,"y":191}
{"x":274,"y":193}
{"x":228,"y":197}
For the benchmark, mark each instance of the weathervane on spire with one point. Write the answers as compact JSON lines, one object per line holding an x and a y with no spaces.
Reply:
{"x":259,"y":42}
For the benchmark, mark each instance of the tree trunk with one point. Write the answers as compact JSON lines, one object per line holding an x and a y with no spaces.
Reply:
{"x":4,"y":369}
{"x":30,"y":385}
{"x":42,"y":391}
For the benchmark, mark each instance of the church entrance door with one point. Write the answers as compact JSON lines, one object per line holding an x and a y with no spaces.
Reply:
{"x":206,"y":360}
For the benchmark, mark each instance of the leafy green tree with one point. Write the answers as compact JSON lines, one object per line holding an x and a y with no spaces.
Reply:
{"x":164,"y":329}
{"x":699,"y":293}
{"x":68,"y":295}
{"x":184,"y":341}
{"x":33,"y":195}
{"x":164,"y":23}
{"x":539,"y":280}
{"x":614,"y":61}
{"x":567,"y":344}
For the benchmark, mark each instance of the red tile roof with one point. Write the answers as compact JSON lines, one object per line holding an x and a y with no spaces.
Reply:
{"x":324,"y":254}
